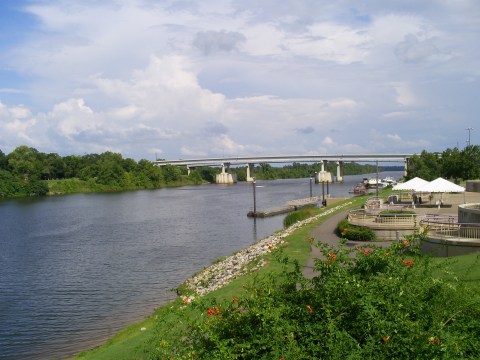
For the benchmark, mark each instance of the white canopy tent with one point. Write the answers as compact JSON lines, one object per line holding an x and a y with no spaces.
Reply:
{"x":440,"y":185}
{"x":412,"y":184}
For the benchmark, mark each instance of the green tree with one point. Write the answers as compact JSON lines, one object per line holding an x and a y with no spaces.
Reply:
{"x":452,"y":164}
{"x":471,"y":162}
{"x":25,"y":163}
{"x":426,"y":166}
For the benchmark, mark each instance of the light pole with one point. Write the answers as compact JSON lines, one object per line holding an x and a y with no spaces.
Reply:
{"x":254,"y":199}
{"x":310,"y":185}
{"x":469,"y":129}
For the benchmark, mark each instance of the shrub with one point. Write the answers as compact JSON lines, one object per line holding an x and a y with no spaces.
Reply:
{"x":354,"y":233}
{"x":365,"y":303}
{"x":299,"y":215}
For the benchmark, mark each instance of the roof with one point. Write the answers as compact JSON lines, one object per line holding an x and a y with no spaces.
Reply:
{"x":440,"y":185}
{"x":412,"y":184}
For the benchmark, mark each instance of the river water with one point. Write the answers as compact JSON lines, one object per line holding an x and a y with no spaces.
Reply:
{"x":75,"y":269}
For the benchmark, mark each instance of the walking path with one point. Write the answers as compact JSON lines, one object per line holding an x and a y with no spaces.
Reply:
{"x":326,"y":233}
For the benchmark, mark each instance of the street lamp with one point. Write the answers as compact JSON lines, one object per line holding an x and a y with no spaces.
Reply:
{"x":469,"y":129}
{"x":310,"y":185}
{"x":254,"y":199}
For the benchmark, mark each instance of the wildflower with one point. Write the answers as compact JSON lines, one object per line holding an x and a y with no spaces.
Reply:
{"x":309,"y":308}
{"x":434,"y":340}
{"x":407,"y":263}
{"x":386,"y":338}
{"x":344,"y":232}
{"x":235,"y":299}
{"x":332,"y":256}
{"x":210,"y":312}
{"x":270,"y":246}
{"x":367,"y":251}
{"x":406,"y":243}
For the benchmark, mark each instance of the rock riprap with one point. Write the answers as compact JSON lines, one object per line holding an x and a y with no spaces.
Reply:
{"x":223,"y":272}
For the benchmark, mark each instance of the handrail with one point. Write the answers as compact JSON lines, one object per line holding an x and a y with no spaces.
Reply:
{"x":451,"y":229}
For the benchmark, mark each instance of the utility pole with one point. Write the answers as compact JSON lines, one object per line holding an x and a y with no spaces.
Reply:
{"x":469,"y":129}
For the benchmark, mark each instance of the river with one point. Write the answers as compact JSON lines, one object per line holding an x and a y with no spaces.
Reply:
{"x":75,"y":269}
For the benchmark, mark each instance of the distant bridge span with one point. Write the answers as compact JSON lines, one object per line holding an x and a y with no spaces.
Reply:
{"x":220,"y":161}
{"x":226,"y":162}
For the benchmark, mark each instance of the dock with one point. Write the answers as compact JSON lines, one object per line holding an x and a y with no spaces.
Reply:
{"x":287,"y":208}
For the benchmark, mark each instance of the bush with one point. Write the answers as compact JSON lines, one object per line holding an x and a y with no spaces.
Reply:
{"x":299,"y":215}
{"x":377,"y":303}
{"x":355,"y":233}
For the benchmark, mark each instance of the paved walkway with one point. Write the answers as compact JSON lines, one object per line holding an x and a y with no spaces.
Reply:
{"x":325,"y":233}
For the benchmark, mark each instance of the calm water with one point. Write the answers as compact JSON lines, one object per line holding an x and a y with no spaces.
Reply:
{"x":75,"y":269}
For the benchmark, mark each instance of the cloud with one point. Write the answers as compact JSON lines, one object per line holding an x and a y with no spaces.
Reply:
{"x":213,"y":41}
{"x":411,"y":50}
{"x":306,"y":130}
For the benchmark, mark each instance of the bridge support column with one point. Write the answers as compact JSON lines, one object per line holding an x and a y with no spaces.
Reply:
{"x":323,"y":177}
{"x":225,"y":177}
{"x":249,"y":172}
{"x":324,"y":165}
{"x":339,"y":171}
{"x":405,"y":169}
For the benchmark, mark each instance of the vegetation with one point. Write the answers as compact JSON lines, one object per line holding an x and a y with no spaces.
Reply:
{"x":299,"y":215}
{"x":451,"y":164}
{"x":300,"y":170}
{"x":381,"y":303}
{"x":28,"y":172}
{"x":355,"y":233}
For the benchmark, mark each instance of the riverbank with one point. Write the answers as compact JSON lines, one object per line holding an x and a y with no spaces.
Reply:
{"x":223,"y":279}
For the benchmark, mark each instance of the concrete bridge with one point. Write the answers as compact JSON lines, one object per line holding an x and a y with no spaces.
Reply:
{"x":225,"y":177}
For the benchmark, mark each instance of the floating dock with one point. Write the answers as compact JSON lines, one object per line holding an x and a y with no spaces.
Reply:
{"x":288,"y":207}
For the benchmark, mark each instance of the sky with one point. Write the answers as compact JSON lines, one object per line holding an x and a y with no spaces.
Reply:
{"x":188,"y":79}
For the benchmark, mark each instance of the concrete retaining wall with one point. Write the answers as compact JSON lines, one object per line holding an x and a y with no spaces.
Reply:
{"x":469,"y":213}
{"x":444,"y":248}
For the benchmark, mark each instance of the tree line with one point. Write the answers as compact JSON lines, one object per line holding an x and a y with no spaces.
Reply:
{"x":452,"y":164}
{"x":27,"y":172}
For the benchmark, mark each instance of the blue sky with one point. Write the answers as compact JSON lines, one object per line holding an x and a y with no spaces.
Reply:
{"x":187,"y":79}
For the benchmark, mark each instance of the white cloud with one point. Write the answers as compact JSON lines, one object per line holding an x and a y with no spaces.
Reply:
{"x":181,"y":78}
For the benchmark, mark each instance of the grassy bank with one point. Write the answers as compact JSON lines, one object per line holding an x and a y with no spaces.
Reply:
{"x":266,"y":314}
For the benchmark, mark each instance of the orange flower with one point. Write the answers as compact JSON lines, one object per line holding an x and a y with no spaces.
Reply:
{"x":408,"y":263}
{"x":386,"y":338}
{"x":332,"y":255}
{"x":310,"y":309}
{"x":367,"y":251}
{"x":344,"y":232}
{"x":213,"y":311}
{"x":434,"y":340}
{"x":406,"y":243}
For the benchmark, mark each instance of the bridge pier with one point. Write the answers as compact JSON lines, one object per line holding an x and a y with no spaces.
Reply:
{"x":339,"y":171}
{"x":323,"y":177}
{"x":405,"y":168}
{"x":249,"y":167}
{"x":225,"y":177}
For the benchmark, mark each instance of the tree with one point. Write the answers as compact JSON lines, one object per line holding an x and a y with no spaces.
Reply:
{"x":471,"y":162}
{"x":25,"y":162}
{"x":452,"y":164}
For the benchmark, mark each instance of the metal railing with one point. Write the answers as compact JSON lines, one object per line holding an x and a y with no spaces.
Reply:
{"x":444,"y":228}
{"x":365,"y":218}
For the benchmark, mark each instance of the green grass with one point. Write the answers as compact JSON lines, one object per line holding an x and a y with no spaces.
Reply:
{"x":174,"y":320}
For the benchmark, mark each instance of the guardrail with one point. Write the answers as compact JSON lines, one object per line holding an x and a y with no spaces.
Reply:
{"x":366,"y":218}
{"x":451,"y":228}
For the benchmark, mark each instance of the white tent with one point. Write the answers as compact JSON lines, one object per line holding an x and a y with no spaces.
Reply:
{"x":412,"y":184}
{"x":441,"y":185}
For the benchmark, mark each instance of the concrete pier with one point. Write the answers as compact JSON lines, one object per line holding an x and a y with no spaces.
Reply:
{"x":225,"y":177}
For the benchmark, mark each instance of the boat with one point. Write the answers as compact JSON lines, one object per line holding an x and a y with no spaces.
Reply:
{"x":359,"y":189}
{"x":389,"y":181}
